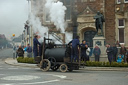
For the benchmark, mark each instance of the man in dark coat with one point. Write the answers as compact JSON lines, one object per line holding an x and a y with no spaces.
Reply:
{"x":97,"y":53}
{"x":75,"y":51}
{"x":20,"y":52}
{"x":35,"y":46}
{"x":29,"y":51}
{"x":109,"y":53}
{"x":84,"y":47}
{"x":123,"y":51}
{"x":115,"y":51}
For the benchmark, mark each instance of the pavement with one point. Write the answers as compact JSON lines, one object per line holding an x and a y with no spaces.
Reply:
{"x":14,"y":62}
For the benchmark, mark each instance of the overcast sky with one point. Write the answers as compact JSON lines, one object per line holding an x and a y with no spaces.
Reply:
{"x":13,"y":14}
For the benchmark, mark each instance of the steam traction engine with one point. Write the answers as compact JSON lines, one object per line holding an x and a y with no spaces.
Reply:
{"x":57,"y":57}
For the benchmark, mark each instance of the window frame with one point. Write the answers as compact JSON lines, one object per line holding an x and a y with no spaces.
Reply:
{"x":119,"y":35}
{"x":118,"y":2}
{"x":67,"y":5}
{"x":70,"y":14}
{"x":125,"y":1}
{"x":46,"y":18}
{"x":121,"y":27}
{"x":123,"y":23}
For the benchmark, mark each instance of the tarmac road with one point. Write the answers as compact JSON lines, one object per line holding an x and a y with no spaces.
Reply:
{"x":16,"y":75}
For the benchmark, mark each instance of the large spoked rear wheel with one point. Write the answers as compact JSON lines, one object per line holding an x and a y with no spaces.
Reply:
{"x":45,"y":65}
{"x":63,"y":68}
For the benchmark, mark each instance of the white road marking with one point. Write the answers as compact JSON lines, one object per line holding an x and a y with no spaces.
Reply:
{"x":41,"y":82}
{"x":26,"y":68}
{"x":60,"y":76}
{"x":37,"y":68}
{"x":33,"y":83}
{"x":6,"y":84}
{"x":29,"y":77}
{"x":13,"y":68}
{"x":20,"y":77}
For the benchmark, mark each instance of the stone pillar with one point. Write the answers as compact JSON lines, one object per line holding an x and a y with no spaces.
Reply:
{"x":100,"y":41}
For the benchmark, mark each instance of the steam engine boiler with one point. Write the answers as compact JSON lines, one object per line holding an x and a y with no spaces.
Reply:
{"x":57,"y":57}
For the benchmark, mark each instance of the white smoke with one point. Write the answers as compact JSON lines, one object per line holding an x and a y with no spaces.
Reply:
{"x":56,"y":11}
{"x":68,"y":37}
{"x":38,"y":28}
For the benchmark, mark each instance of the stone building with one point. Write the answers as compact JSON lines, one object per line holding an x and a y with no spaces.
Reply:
{"x":116,"y":19}
{"x":121,"y":21}
{"x":114,"y":11}
{"x":115,"y":27}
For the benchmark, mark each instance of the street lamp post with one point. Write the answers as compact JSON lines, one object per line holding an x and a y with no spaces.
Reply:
{"x":28,"y":24}
{"x":13,"y":46}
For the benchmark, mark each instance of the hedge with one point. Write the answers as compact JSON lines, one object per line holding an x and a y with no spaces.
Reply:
{"x":26,"y":60}
{"x":88,"y":63}
{"x":105,"y":64}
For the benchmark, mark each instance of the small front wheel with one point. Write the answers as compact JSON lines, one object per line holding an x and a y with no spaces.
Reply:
{"x":63,"y":68}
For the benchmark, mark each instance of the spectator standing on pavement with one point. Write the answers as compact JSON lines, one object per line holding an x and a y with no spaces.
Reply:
{"x":120,"y":58}
{"x":123,"y":52}
{"x":88,"y":53}
{"x":29,"y":51}
{"x":16,"y":50}
{"x":117,"y":44}
{"x":127,"y":56}
{"x":36,"y":44}
{"x":97,"y":53}
{"x":20,"y":52}
{"x":115,"y":51}
{"x":84,"y":48}
{"x":109,"y":53}
{"x":25,"y":49}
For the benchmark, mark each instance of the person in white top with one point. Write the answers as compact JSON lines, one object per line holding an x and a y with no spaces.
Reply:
{"x":88,"y":52}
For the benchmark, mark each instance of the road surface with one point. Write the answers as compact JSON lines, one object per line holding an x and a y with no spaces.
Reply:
{"x":15,"y":75}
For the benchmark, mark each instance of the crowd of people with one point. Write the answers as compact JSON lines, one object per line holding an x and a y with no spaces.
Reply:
{"x":20,"y":51}
{"x":77,"y":49}
{"x":114,"y":55}
{"x":36,"y":51}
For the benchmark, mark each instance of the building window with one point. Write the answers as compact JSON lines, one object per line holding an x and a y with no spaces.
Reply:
{"x":121,"y":23}
{"x":118,"y":1}
{"x":121,"y":26}
{"x":68,"y":4}
{"x":125,"y":1}
{"x":121,"y":35}
{"x":68,"y":13}
{"x":47,"y":18}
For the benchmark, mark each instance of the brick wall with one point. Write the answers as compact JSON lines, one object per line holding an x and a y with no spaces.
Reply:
{"x":96,"y":5}
{"x":110,"y":31}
